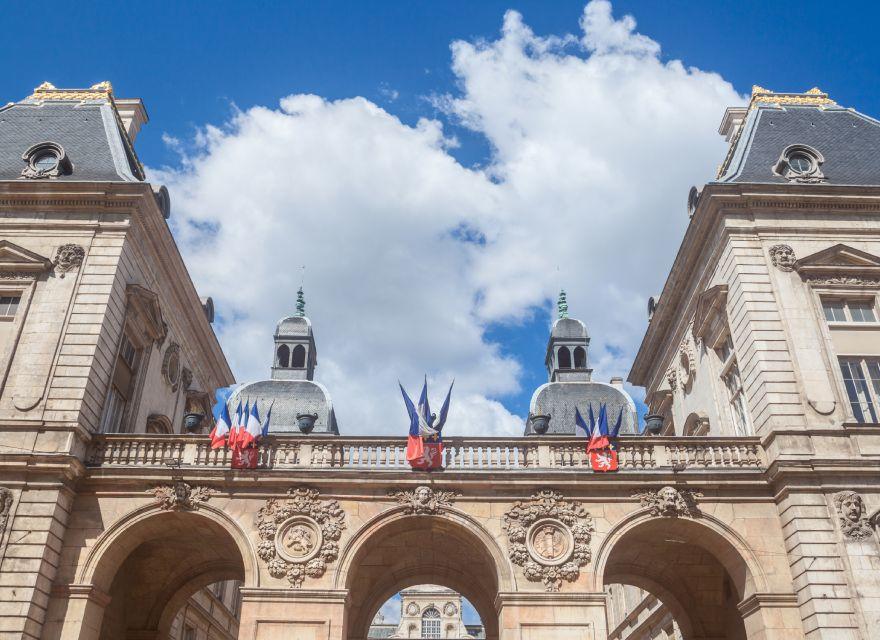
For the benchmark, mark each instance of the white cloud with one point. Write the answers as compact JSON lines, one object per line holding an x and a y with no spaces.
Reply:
{"x":595,"y":143}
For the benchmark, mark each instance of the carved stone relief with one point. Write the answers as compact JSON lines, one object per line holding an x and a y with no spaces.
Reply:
{"x":782,"y":257}
{"x":687,"y":363}
{"x":549,"y":538}
{"x":424,"y":499}
{"x":671,"y":502}
{"x":68,"y":257}
{"x":181,"y":495}
{"x":6,"y":499}
{"x":300,"y":535}
{"x":851,"y":515}
{"x":171,"y":365}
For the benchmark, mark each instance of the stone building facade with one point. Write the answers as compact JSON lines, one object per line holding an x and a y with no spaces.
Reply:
{"x":752,"y":513}
{"x":427,"y":611}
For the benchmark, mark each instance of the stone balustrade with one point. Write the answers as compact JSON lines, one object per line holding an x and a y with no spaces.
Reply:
{"x":636,"y":453}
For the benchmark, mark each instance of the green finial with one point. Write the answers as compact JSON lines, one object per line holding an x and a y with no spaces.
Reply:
{"x":562,"y":305}
{"x":300,"y":303}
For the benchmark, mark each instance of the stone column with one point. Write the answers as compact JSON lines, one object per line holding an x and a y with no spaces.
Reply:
{"x":292,"y":614}
{"x":551,"y":616}
{"x":771,"y":616}
{"x":75,"y":612}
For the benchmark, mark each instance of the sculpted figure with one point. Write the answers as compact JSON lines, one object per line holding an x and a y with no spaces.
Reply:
{"x":851,"y":514}
{"x":782,"y":256}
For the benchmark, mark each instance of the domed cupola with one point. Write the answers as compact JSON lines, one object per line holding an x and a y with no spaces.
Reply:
{"x":553,"y":405}
{"x":299,"y":404}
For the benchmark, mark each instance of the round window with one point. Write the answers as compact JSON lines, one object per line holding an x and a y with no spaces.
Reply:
{"x":46,"y":161}
{"x":800,"y":163}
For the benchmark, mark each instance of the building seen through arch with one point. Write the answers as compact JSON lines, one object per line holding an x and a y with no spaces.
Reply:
{"x":746,"y":502}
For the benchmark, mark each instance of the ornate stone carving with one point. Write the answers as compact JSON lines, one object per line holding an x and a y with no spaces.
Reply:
{"x":687,"y":363}
{"x":672,"y":377}
{"x":412,"y":609}
{"x":782,"y":257}
{"x":6,"y":499}
{"x":851,"y":515}
{"x":671,"y":502}
{"x":68,"y":257}
{"x":171,"y":365}
{"x":424,"y":499}
{"x":16,"y":275}
{"x":848,"y":280}
{"x":449,"y":609}
{"x":300,"y":534}
{"x":186,"y":378}
{"x":181,"y":495}
{"x":549,"y":538}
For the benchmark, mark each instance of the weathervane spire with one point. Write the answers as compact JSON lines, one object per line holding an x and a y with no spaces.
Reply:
{"x":300,"y":303}
{"x":561,"y":305}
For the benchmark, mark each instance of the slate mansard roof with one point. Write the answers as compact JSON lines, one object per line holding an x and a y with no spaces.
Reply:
{"x":85,"y":123}
{"x":847,"y":140}
{"x":560,"y":399}
{"x":289,"y":398}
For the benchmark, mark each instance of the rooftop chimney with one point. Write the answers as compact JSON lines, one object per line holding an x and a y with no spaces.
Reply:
{"x":133,"y":115}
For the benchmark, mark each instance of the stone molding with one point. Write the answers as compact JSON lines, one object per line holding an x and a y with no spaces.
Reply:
{"x":181,"y":495}
{"x":761,"y":600}
{"x":423,"y":500}
{"x":299,"y":534}
{"x":549,"y":538}
{"x":851,"y":514}
{"x":670,"y":502}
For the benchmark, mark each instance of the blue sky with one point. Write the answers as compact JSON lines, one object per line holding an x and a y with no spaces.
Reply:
{"x":195,"y":64}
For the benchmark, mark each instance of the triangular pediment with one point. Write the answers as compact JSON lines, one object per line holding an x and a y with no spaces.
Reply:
{"x":840,"y":265}
{"x":840,"y":255}
{"x":16,"y":258}
{"x":711,"y":305}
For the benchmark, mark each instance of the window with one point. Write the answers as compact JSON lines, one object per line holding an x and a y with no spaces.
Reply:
{"x":564,"y":356}
{"x":9,"y":307}
{"x":431,"y":623}
{"x":121,"y":387}
{"x":800,"y":163}
{"x":298,"y":359}
{"x":580,"y":358}
{"x":857,"y":310}
{"x":861,"y":377}
{"x":283,"y":356}
{"x":739,"y":415}
{"x":189,"y":633}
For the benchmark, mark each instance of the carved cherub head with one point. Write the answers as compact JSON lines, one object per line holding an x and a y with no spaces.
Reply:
{"x":782,"y":256}
{"x":423,"y":495}
{"x":850,"y":506}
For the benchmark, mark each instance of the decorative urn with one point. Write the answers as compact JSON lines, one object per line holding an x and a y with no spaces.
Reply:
{"x":306,"y":421}
{"x":193,"y":422}
{"x":653,"y":424}
{"x":540,"y":423}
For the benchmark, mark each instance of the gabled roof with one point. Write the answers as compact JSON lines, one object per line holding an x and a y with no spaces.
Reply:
{"x":847,"y":140}
{"x":839,"y":264}
{"x":84,"y":122}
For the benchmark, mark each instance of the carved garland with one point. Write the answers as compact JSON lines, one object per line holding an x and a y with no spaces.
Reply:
{"x":687,"y":368}
{"x":6,"y":499}
{"x":299,"y":535}
{"x":549,"y":538}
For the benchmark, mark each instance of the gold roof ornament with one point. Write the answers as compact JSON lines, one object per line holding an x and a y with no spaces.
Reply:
{"x":815,"y":97}
{"x":48,"y":91}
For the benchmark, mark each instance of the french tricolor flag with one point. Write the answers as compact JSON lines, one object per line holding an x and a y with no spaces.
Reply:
{"x":221,"y":428}
{"x":252,"y":428}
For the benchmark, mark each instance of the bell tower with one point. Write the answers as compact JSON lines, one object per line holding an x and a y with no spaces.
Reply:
{"x":566,"y":358}
{"x":295,"y":354}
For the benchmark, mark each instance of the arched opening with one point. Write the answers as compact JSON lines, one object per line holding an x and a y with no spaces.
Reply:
{"x":152,"y":568}
{"x":427,"y":612}
{"x":676,"y":573}
{"x":298,"y":359}
{"x":564,"y":357}
{"x":420,"y":550}
{"x":580,"y":358}
{"x":283,"y":356}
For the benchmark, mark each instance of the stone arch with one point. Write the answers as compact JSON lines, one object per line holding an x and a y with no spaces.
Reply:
{"x":696,"y":424}
{"x":190,"y":549}
{"x":283,"y":356}
{"x":699,"y":568}
{"x":298,"y":357}
{"x":395,"y":550}
{"x":563,"y":357}
{"x":580,"y":358}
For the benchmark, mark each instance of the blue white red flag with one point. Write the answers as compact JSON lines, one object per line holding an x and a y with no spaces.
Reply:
{"x":265,"y":430}
{"x":221,"y":428}
{"x":253,"y":428}
{"x":580,"y":427}
{"x":599,"y":438}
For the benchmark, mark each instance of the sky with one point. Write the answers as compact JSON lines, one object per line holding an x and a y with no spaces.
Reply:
{"x":441,"y":169}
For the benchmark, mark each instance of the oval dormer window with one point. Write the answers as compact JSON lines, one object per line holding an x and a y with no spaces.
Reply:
{"x":800,"y":163}
{"x":45,"y":160}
